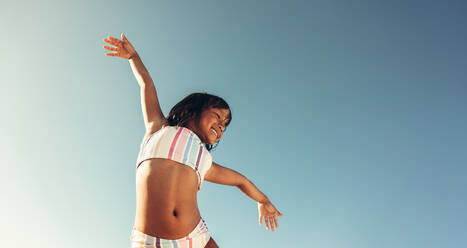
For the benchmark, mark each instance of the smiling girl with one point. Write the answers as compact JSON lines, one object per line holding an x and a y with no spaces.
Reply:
{"x":174,"y":160}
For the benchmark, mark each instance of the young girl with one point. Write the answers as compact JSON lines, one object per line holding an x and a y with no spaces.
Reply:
{"x":174,"y":159}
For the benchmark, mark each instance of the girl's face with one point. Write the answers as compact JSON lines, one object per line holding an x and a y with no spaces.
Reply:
{"x":211,"y":125}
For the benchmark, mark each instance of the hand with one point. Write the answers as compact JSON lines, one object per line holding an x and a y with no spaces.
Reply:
{"x":122,"y":48}
{"x":269,"y":212}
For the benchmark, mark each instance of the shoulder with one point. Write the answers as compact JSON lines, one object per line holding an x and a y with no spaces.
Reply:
{"x":154,"y":126}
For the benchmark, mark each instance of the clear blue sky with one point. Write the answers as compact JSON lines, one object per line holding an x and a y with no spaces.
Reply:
{"x":350,"y":115}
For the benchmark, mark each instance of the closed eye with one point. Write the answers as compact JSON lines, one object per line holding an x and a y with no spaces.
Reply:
{"x":223,"y":124}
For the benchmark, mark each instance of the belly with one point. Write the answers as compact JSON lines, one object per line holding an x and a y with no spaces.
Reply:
{"x":166,"y":203}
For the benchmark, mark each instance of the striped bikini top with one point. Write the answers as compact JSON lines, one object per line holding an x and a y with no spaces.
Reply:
{"x":179,"y":144}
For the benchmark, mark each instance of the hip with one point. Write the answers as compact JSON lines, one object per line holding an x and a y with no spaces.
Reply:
{"x":198,"y":237}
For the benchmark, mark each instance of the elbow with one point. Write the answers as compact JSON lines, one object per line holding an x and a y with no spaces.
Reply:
{"x":241,"y":182}
{"x":145,"y":83}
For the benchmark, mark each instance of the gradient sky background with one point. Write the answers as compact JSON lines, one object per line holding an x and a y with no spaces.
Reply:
{"x":350,"y":115}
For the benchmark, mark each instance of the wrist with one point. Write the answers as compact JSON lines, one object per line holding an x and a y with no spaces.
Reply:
{"x":133,"y":56}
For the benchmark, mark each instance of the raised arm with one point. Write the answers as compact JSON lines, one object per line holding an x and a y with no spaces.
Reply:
{"x":222,"y":175}
{"x":152,"y":113}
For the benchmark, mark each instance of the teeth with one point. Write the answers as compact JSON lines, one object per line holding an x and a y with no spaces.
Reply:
{"x":214,"y":131}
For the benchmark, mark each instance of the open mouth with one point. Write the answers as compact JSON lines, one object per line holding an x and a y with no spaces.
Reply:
{"x":214,"y":131}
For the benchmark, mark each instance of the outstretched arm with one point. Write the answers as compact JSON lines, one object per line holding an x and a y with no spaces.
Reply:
{"x":152,"y":113}
{"x":222,"y":175}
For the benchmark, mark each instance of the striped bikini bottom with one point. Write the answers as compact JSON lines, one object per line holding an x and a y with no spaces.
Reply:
{"x":198,"y":238}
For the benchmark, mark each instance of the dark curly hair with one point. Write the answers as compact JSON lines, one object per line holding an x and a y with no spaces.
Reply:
{"x":191,"y":107}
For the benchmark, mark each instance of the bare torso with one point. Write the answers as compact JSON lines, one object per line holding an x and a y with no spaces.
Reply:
{"x":166,"y":203}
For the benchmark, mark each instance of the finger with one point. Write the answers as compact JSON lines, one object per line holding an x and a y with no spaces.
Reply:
{"x":271,"y":223}
{"x":108,"y":41}
{"x":260,"y":220}
{"x":279,"y":213}
{"x":116,"y":41}
{"x":276,"y":222}
{"x":111,"y":42}
{"x":125,"y":39}
{"x":110,"y":48}
{"x":266,"y":222}
{"x":111,"y":54}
